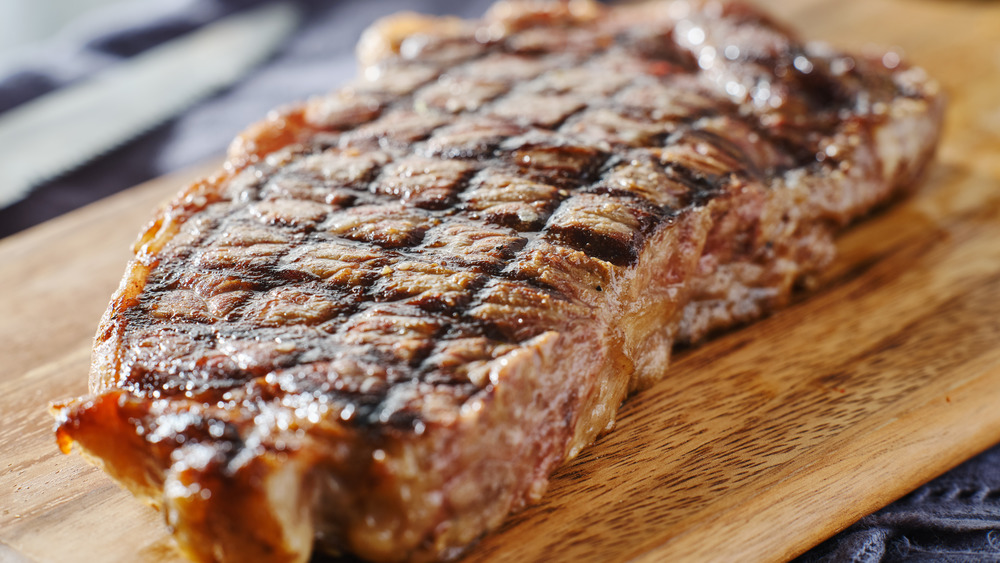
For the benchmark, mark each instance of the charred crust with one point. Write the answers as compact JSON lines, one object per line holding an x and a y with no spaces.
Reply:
{"x":327,"y":188}
{"x":401,"y":170}
{"x":379,"y":250}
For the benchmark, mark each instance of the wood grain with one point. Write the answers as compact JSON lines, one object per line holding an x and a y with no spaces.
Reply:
{"x":757,"y":446}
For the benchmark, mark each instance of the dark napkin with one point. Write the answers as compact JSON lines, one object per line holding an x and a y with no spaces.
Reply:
{"x":954,"y":518}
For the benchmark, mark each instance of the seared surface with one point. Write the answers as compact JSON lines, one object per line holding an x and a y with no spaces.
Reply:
{"x":403,"y":304}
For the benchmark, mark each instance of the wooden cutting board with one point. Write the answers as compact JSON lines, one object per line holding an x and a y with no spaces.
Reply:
{"x":757,"y":446}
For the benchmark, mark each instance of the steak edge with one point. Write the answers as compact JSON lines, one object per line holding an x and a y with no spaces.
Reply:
{"x":400,"y":306}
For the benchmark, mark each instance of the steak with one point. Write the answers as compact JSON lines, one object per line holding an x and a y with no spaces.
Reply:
{"x":400,"y":306}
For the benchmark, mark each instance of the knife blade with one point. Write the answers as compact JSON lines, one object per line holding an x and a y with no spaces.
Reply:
{"x":57,"y":132}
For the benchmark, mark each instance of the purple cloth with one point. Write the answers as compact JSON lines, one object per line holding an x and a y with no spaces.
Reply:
{"x":954,"y":518}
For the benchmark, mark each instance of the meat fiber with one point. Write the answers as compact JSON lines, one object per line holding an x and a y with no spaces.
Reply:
{"x":400,"y":306}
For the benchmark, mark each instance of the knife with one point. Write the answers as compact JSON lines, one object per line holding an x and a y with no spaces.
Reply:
{"x":57,"y":132}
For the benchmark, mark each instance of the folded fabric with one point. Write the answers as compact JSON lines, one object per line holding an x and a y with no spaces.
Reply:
{"x":954,"y":518}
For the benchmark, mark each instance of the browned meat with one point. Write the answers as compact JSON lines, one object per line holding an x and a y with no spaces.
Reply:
{"x":400,"y":306}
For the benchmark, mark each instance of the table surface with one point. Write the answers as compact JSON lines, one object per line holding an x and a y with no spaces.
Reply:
{"x":756,"y":446}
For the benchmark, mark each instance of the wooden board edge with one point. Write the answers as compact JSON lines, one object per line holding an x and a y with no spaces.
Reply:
{"x":761,"y":529}
{"x":10,"y":555}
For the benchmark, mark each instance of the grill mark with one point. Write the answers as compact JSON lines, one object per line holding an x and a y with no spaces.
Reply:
{"x":610,"y":246}
{"x":703,"y":188}
{"x":587,"y":174}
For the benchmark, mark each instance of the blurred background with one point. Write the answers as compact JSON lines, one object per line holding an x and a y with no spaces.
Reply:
{"x":49,"y":45}
{"x":26,"y":22}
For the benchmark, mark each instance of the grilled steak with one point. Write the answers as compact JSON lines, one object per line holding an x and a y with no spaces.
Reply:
{"x":400,"y":306}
